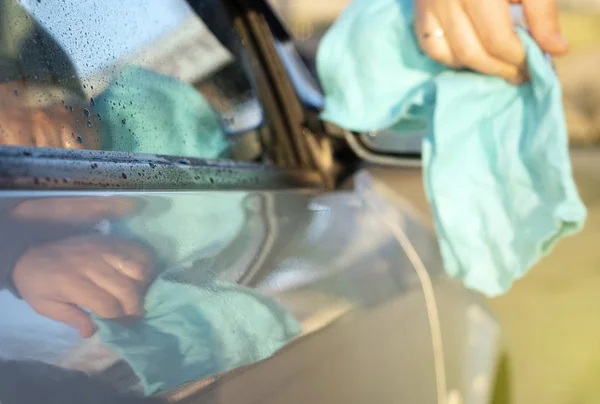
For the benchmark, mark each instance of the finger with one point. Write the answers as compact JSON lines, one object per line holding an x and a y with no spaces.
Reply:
{"x":86,"y":294}
{"x":67,"y":314}
{"x":126,"y":290}
{"x":129,"y":258}
{"x":426,"y":23}
{"x":542,"y":19}
{"x":74,"y":209}
{"x":133,"y":269}
{"x":493,"y":24}
{"x":467,"y":49}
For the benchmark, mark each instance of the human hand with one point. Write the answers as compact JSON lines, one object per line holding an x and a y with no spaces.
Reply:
{"x":27,"y":121}
{"x":75,"y":209}
{"x":479,"y":34}
{"x":48,"y":127}
{"x":106,"y":276}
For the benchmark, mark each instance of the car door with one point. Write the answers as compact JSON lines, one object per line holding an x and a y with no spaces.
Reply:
{"x":182,"y":136}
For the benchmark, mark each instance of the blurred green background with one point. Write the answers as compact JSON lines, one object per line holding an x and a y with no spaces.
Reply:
{"x":551,"y":318}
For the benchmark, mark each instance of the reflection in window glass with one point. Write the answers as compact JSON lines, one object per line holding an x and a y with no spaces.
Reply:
{"x":144,"y":76}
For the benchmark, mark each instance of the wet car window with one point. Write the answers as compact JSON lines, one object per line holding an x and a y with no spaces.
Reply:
{"x":142,"y":76}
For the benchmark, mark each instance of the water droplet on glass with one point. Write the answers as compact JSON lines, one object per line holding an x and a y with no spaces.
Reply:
{"x":86,"y":112}
{"x":90,"y":125}
{"x":124,"y":121}
{"x":80,"y":139}
{"x":17,"y":93}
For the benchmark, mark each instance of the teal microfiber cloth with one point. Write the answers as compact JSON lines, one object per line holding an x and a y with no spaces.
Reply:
{"x":191,"y":332}
{"x":142,"y":111}
{"x":495,"y":160}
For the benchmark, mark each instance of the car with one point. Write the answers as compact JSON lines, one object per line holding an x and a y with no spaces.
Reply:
{"x":192,"y":129}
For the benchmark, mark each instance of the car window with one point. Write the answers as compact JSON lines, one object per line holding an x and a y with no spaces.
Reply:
{"x":141,"y":76}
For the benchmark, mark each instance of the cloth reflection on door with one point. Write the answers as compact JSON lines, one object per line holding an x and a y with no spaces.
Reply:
{"x":194,"y":331}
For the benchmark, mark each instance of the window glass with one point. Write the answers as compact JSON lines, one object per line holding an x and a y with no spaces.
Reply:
{"x":144,"y":76}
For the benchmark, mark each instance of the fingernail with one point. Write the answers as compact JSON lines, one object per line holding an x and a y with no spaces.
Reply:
{"x":559,"y":39}
{"x":86,"y":333}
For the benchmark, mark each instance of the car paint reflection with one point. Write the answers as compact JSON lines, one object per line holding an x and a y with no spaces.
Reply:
{"x":320,"y":257}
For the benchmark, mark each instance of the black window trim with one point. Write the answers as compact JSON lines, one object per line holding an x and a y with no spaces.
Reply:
{"x":36,"y":168}
{"x":259,"y":28}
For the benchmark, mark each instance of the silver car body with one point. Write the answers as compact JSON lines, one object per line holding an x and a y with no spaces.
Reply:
{"x":358,"y":267}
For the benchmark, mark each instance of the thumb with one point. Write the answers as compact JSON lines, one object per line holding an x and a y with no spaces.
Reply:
{"x":67,"y":314}
{"x":542,"y":19}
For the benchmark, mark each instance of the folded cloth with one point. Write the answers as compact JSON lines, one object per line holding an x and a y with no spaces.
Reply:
{"x":496,"y":164}
{"x":142,"y":111}
{"x":191,"y":332}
